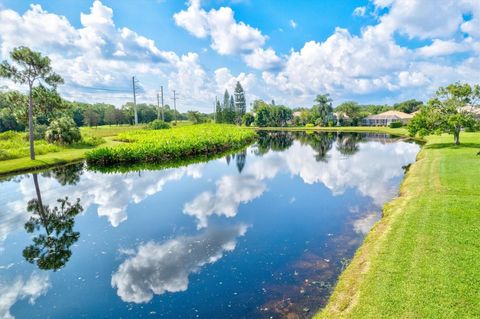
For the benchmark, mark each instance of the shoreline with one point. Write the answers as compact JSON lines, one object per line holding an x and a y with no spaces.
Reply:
{"x":68,"y":156}
{"x":402,"y":269}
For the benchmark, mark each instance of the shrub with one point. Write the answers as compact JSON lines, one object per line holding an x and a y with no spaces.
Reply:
{"x":309,"y":125}
{"x":395,"y":125}
{"x":8,"y":135}
{"x":248,"y":119}
{"x":148,"y":146}
{"x":39,"y":131}
{"x":92,"y":140}
{"x":158,"y":125}
{"x":63,"y":131}
{"x":15,"y":145}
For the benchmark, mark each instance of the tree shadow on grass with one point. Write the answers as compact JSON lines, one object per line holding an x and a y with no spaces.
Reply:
{"x":453,"y":146}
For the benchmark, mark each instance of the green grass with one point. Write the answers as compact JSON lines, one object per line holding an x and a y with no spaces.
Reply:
{"x":156,"y":146}
{"x":108,"y":130}
{"x":422,"y":259}
{"x":15,"y":145}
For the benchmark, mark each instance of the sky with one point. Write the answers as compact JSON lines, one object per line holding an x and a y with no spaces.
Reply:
{"x":370,"y":51}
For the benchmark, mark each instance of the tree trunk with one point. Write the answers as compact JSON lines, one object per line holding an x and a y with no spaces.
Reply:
{"x":456,"y":135}
{"x":30,"y":123}
{"x":40,"y":203}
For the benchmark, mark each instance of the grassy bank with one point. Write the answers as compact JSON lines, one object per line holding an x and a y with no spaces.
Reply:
{"x":53,"y":155}
{"x":422,"y":260}
{"x":158,"y":146}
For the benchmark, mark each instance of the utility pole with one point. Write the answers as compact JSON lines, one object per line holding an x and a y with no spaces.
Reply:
{"x":134,"y":100}
{"x":163,"y":114}
{"x":175,"y":105}
{"x":158,"y":106}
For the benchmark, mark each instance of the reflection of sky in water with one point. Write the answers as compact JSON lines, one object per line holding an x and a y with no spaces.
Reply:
{"x":205,"y":239}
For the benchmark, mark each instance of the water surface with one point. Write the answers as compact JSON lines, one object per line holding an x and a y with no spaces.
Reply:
{"x":259,"y":234}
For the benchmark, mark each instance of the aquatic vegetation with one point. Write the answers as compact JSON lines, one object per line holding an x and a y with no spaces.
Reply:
{"x":154,"y":146}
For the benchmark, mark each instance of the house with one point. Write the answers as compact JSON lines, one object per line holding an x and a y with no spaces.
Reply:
{"x":385,"y":118}
{"x":475,"y":111}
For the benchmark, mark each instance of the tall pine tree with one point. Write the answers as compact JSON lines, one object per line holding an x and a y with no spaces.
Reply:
{"x":240,"y":103}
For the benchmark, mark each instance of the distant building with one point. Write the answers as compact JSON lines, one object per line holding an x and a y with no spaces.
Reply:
{"x":475,"y":111}
{"x":385,"y":118}
{"x":297,"y":114}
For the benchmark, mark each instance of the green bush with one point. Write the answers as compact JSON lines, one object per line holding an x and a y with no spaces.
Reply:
{"x":92,"y":141}
{"x":9,"y":135}
{"x":39,"y":131}
{"x":158,"y":125}
{"x":148,"y":146}
{"x":63,"y":131}
{"x":395,"y":124}
{"x":309,"y":125}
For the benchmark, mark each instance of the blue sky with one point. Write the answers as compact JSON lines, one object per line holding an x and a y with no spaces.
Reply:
{"x":372,"y":51}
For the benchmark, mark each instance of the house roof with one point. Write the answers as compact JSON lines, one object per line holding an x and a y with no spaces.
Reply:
{"x":470,"y":109}
{"x":391,"y":115}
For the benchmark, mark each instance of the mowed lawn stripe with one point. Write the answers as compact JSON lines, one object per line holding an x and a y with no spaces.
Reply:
{"x":422,"y":260}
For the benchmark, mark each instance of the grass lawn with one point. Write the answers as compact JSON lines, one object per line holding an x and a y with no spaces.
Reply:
{"x":422,"y":260}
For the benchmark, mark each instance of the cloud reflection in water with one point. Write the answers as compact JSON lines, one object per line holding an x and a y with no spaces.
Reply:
{"x":157,"y":268}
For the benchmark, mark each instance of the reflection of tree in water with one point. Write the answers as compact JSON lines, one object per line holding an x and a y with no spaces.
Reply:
{"x":274,"y":141}
{"x":320,"y":142}
{"x":348,"y":144}
{"x":241,"y":159}
{"x":51,"y":249}
{"x":66,"y":175}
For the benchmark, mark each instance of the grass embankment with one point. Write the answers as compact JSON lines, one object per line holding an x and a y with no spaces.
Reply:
{"x":422,"y":259}
{"x":172,"y":144}
{"x":51,"y":155}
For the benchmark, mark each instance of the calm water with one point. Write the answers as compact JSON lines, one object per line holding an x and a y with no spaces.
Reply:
{"x":260,"y":234}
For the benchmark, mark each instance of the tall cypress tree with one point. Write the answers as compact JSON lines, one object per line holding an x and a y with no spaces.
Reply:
{"x":240,"y":102}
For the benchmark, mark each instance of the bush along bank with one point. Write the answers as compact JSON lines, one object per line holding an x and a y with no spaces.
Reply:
{"x":156,"y":146}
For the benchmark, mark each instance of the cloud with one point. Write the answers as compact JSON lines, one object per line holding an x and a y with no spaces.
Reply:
{"x":261,"y":59}
{"x":31,"y":289}
{"x":359,"y":11}
{"x":293,"y":24}
{"x":232,"y":190}
{"x":157,"y":268}
{"x":98,"y":54}
{"x":414,"y":18}
{"x":228,"y":36}
{"x":364,"y":224}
